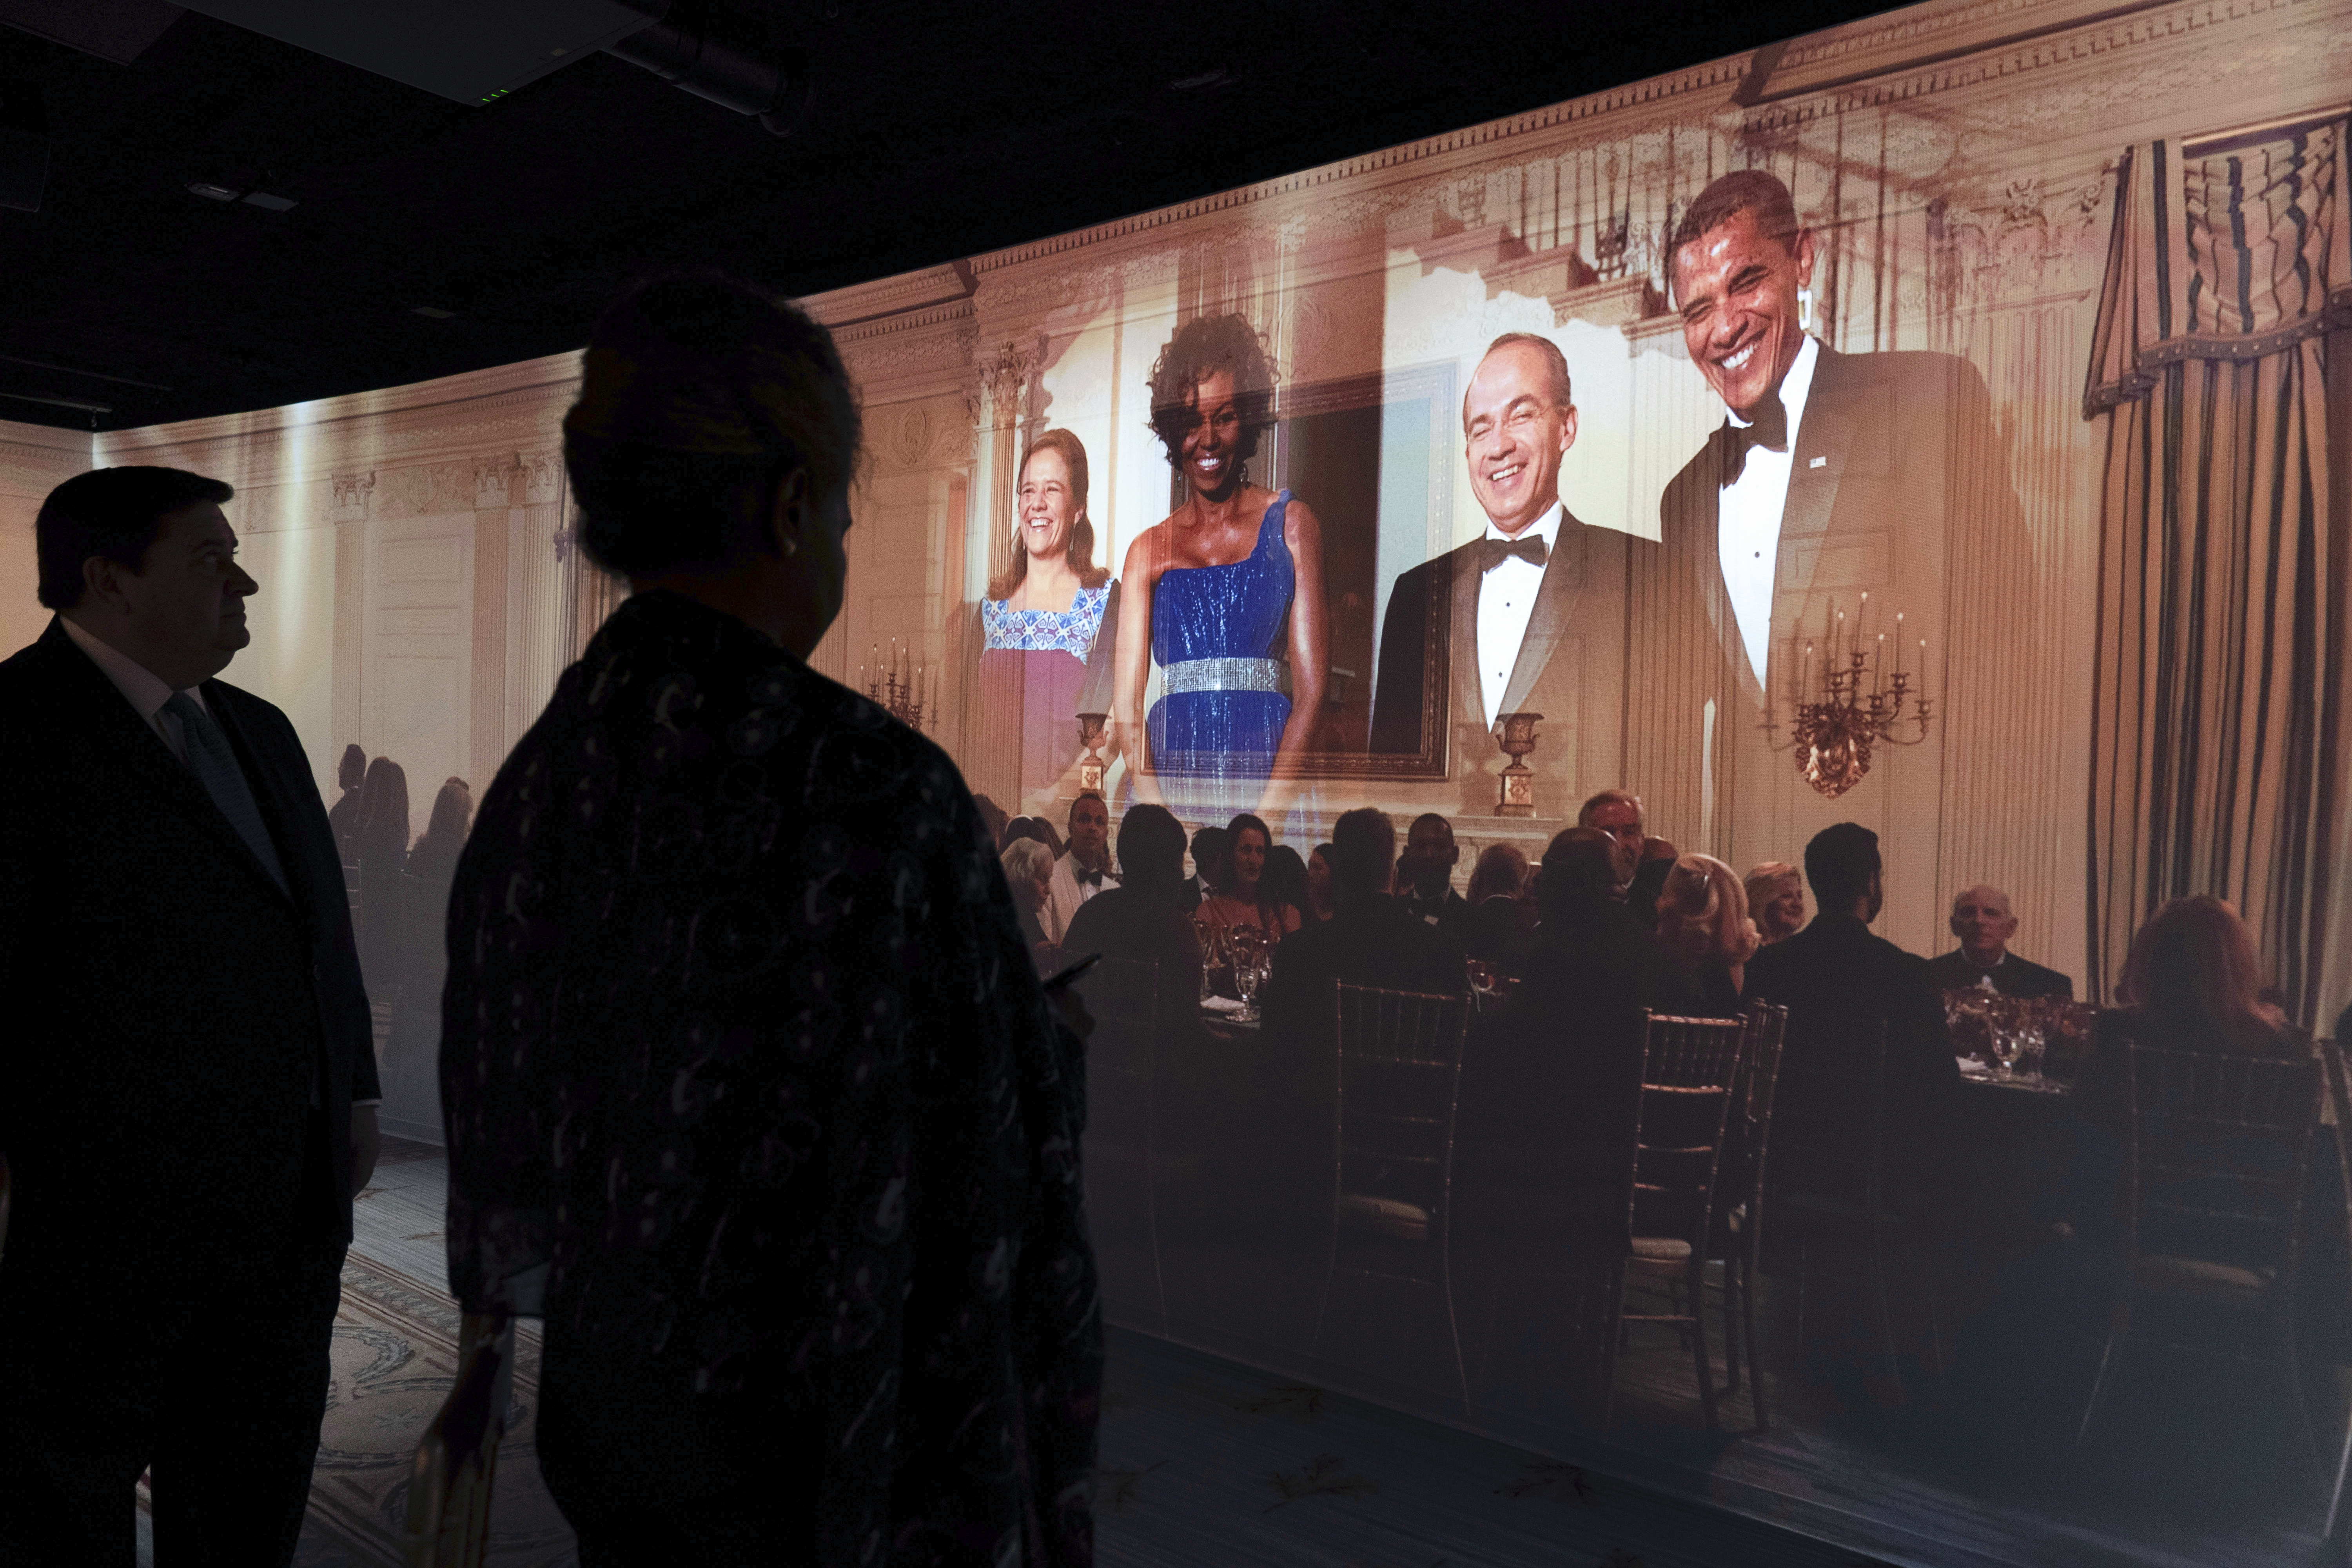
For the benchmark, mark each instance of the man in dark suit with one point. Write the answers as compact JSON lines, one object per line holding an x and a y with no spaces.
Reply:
{"x":1427,"y":872}
{"x":187,"y":1091}
{"x":1835,"y":968}
{"x":1371,"y":939}
{"x":1834,"y":476}
{"x":1141,"y":918}
{"x":1527,"y":618}
{"x":1982,"y":921}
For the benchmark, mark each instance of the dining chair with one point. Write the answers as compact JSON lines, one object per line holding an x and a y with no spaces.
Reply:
{"x":1827,"y":1185}
{"x":1689,"y":1067}
{"x":1398,"y":1090}
{"x":1736,"y":1246}
{"x":455,"y":1468}
{"x":1122,"y":1139}
{"x":2217,"y":1150}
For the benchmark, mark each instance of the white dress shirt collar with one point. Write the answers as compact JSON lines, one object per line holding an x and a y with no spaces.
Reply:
{"x":1794,"y":388}
{"x":141,"y":687}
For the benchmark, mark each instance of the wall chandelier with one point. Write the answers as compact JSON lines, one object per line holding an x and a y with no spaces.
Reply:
{"x":1850,"y":702}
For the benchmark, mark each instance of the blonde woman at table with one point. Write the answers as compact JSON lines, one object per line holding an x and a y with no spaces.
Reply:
{"x":1705,"y":939}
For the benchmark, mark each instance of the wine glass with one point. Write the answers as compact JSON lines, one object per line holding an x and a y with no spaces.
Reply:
{"x":1249,"y":974}
{"x":2006,"y":1044}
{"x":2029,"y":1046}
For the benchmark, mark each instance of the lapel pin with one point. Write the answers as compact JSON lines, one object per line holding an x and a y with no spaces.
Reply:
{"x":1819,"y":463}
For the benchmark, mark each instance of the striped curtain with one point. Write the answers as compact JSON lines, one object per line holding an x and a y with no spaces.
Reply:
{"x":2220,"y":741}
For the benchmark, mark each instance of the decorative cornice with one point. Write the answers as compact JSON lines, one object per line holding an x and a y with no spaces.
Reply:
{"x":841,"y":308}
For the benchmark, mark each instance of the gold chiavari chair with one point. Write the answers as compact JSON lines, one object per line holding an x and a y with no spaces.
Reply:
{"x":1121,"y":1139}
{"x":1689,"y":1067}
{"x":1738,"y":1244}
{"x":448,"y":1523}
{"x":1399,"y":1086}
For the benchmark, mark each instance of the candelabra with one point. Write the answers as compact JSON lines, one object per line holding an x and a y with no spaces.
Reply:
{"x":901,"y":685}
{"x":1850,"y":704}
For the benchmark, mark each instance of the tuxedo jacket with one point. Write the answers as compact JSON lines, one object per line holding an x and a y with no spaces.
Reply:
{"x":2012,"y":976}
{"x":171,"y":1006}
{"x":1569,"y":669}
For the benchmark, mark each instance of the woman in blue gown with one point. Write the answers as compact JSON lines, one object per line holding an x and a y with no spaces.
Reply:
{"x":1226,"y":593}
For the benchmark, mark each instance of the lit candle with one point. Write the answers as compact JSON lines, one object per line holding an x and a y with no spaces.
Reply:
{"x":1878,"y":675}
{"x":1898,"y":642}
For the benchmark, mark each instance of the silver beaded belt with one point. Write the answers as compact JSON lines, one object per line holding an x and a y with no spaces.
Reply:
{"x":1225,"y":675}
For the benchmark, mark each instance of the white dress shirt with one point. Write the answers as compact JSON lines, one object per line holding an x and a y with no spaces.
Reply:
{"x":1506,"y":598}
{"x":1748,"y":519}
{"x":146,"y":693}
{"x":141,"y":687}
{"x":1065,"y":893}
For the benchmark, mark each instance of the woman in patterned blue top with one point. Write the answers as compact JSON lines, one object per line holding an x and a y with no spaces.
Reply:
{"x":1050,"y":623}
{"x":1227,"y":593}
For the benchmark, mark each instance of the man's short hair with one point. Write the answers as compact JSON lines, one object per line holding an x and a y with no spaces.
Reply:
{"x":1562,"y":392}
{"x":1426,"y":818}
{"x":1095,"y":795}
{"x":1755,"y":191}
{"x":1211,"y":847}
{"x":1580,"y":867}
{"x":1839,"y":861}
{"x":1150,"y":848}
{"x":116,"y":514}
{"x":1363,"y":846}
{"x":1585,"y":812}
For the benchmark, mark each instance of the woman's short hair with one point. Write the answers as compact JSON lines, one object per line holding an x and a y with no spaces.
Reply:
{"x":1703,"y":913}
{"x":700,"y":393}
{"x":1026,"y":863}
{"x":1501,"y":872}
{"x":1202,"y":347}
{"x":2194,"y":964}
{"x":1078,"y":548}
{"x":1768,"y":881}
{"x":116,"y":514}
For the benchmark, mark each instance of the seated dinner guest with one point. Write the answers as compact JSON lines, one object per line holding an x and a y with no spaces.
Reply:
{"x":1982,"y":921}
{"x":1618,"y":814}
{"x":1426,"y":874}
{"x":1657,"y":863}
{"x":1705,"y":938}
{"x":1836,"y":968}
{"x":1495,"y":917}
{"x":1049,"y":623}
{"x":1319,"y":906}
{"x":750,"y":1091}
{"x":1239,"y":899}
{"x":1029,"y":874}
{"x":1283,"y":882}
{"x":1141,"y":919}
{"x":1083,"y":869}
{"x":1210,"y":866}
{"x":1776,"y":899}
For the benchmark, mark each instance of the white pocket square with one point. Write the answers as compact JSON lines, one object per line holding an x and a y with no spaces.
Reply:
{"x":1819,"y":463}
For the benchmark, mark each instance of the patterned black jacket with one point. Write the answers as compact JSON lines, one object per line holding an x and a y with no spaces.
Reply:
{"x":740,"y":1041}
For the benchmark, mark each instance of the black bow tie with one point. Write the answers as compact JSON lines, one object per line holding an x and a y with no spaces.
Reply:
{"x":1529,"y":548}
{"x":1086,"y":878}
{"x":1769,"y":428}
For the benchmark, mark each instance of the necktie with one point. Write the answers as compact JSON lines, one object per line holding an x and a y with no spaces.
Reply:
{"x":1495,"y":552}
{"x":1769,"y":426}
{"x":215,"y":765}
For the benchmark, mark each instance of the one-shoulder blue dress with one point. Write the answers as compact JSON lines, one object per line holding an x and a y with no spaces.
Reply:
{"x":1217,"y":636}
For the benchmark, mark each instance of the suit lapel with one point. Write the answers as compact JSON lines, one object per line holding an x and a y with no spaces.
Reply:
{"x":1824,"y":441}
{"x":1469,"y":700}
{"x":279,"y":811}
{"x":93,"y":705}
{"x":1555,"y":607}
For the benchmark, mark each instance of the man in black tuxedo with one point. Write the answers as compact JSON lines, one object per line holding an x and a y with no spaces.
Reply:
{"x":1427,"y":872}
{"x":1527,"y":618}
{"x":1834,"y":476}
{"x":1981,"y":919}
{"x":1835,"y":968}
{"x":187,"y":1091}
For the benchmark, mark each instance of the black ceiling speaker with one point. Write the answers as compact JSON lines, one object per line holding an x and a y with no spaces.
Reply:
{"x":24,"y":146}
{"x":776,"y":86}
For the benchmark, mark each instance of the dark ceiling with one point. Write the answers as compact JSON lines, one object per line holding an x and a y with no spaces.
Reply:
{"x":938,"y":131}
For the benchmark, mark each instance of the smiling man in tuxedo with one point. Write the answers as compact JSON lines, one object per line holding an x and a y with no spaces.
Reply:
{"x":1512,"y":621}
{"x":1832,"y":475}
{"x":188,"y":1084}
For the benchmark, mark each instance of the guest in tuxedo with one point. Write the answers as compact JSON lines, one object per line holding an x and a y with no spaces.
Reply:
{"x":187,"y":1100}
{"x":1581,"y":916}
{"x":1082,"y":870}
{"x":1503,"y":605}
{"x":1618,"y":814}
{"x":1832,"y":475}
{"x":1775,"y":897}
{"x":1141,"y":919}
{"x":382,"y":857}
{"x":1371,"y":939}
{"x":752,"y":1092}
{"x":1029,"y":873}
{"x":1497,"y":921}
{"x":1705,"y":937}
{"x":343,"y":817}
{"x":1210,"y":867}
{"x":1982,"y":921}
{"x":1427,"y":872}
{"x":1836,"y":968}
